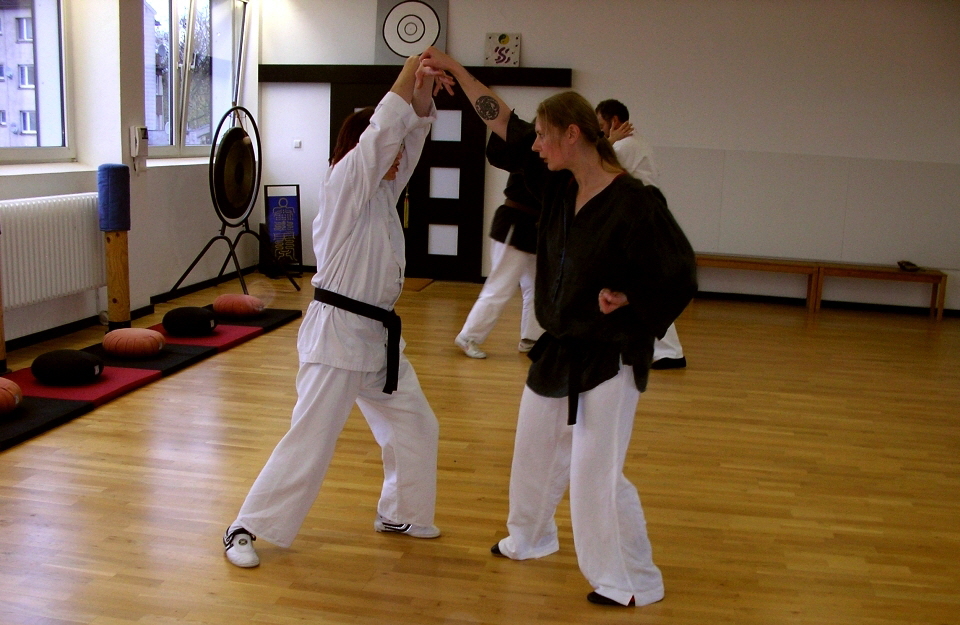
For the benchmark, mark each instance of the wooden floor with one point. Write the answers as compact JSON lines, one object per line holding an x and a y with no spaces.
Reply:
{"x":801,"y":470}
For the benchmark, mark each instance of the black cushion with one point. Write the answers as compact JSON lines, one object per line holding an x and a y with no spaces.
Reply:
{"x":67,"y":367}
{"x":189,"y":321}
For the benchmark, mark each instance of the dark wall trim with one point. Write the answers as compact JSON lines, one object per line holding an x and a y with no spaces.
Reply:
{"x":161,"y":298}
{"x":64,"y":330}
{"x":365,"y":74}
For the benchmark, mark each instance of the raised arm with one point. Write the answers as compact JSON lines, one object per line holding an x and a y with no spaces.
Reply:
{"x":405,"y":84}
{"x":492,"y":110}
{"x":423,"y":92}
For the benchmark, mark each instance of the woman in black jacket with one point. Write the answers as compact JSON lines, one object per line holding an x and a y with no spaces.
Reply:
{"x":613,"y":271}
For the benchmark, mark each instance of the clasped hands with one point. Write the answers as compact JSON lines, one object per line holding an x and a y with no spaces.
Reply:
{"x":434,"y":63}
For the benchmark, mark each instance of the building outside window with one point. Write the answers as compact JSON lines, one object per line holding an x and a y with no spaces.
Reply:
{"x":32,"y":83}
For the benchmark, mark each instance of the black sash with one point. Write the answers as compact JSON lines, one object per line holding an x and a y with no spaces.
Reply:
{"x":389,"y":319}
{"x":574,"y":370}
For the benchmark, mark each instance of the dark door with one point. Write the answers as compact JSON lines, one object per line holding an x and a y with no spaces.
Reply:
{"x":442,"y":211}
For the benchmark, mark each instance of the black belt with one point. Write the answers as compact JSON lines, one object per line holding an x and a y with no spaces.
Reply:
{"x":389,"y":319}
{"x":521,"y":207}
{"x":574,"y":370}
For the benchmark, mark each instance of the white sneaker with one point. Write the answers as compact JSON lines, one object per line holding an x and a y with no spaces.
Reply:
{"x":526,"y":345}
{"x":417,"y":531}
{"x":469,"y":348}
{"x":238,"y":547}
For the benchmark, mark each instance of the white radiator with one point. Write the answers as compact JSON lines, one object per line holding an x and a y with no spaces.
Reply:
{"x":50,"y":247}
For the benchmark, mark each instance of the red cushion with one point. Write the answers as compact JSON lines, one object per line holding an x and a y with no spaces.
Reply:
{"x":236,"y":305}
{"x":133,"y":342}
{"x":10,"y":395}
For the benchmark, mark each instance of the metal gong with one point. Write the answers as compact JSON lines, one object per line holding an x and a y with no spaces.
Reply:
{"x":235,"y":171}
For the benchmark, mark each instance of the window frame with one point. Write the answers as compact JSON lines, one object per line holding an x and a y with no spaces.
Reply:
{"x":180,"y":84}
{"x":27,"y":76}
{"x":22,"y":35}
{"x":28,"y":122}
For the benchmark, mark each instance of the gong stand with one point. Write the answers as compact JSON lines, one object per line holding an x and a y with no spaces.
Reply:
{"x":231,"y":253}
{"x":235,"y":171}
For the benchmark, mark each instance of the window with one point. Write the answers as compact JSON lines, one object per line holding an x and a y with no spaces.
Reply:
{"x":24,"y":28}
{"x":28,"y":122}
{"x":36,"y":130}
{"x":188,"y":60}
{"x":3,"y":118}
{"x":27,"y":80}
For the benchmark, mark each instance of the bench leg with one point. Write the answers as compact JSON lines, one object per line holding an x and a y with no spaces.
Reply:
{"x":938,"y":296}
{"x":814,"y":291}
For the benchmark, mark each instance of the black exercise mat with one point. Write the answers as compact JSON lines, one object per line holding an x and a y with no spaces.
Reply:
{"x":36,"y":415}
{"x":172,"y":358}
{"x":269,"y":319}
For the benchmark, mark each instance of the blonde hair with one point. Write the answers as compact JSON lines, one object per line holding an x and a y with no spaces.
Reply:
{"x":570,"y":108}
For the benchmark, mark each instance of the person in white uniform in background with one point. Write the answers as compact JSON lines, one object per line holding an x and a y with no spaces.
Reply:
{"x":636,"y":156}
{"x":349,"y":344}
{"x":514,"y":260}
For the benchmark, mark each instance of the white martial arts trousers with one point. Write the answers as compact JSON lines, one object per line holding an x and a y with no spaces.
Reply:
{"x":402,"y":423}
{"x":609,"y":529}
{"x":669,"y":346}
{"x":509,"y":267}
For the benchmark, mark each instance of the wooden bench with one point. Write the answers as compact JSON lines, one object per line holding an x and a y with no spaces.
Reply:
{"x":816,"y":271}
{"x":937,"y":279}
{"x":780,"y":265}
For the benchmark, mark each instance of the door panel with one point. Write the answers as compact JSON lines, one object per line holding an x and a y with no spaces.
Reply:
{"x":442,"y":210}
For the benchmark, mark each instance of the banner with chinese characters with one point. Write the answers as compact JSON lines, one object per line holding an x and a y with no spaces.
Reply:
{"x":282,"y":218}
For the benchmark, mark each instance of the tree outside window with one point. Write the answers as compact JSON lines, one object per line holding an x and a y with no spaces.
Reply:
{"x":188,"y":66}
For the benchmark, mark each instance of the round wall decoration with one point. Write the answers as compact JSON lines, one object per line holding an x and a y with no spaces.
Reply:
{"x":410,"y":27}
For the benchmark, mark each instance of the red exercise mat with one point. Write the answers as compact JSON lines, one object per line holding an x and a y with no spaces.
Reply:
{"x":223,"y":337}
{"x":113,"y":382}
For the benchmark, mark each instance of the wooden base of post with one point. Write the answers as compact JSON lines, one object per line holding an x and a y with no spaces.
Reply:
{"x":118,"y":280}
{"x":3,"y":340}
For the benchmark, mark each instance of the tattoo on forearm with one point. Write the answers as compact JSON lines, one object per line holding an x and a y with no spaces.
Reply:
{"x":487,"y":107}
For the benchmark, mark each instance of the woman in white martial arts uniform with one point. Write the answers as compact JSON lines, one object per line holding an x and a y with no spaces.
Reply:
{"x":613,"y":271}
{"x":514,"y":261}
{"x":349,"y":342}
{"x":636,"y":157}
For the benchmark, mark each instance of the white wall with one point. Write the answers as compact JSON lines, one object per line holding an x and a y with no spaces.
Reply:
{"x":821,"y":129}
{"x":172,"y":215}
{"x":816,"y":128}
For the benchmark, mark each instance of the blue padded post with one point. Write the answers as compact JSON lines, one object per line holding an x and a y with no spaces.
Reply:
{"x":113,"y":184}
